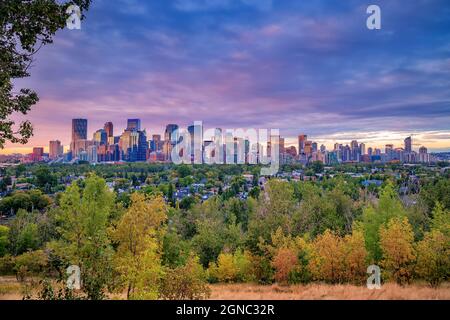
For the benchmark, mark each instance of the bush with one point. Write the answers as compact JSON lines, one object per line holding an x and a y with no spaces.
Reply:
{"x":185,"y":283}
{"x":7,"y":264}
{"x":30,"y":263}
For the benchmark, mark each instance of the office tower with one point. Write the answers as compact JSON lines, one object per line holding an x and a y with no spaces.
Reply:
{"x":355,"y":151}
{"x":337,"y":146}
{"x":156,"y":143}
{"x":109,"y":129}
{"x":196,"y":133}
{"x":133,"y":145}
{"x":307,"y":148}
{"x":79,"y":135}
{"x":323,"y":148}
{"x":314,"y":147}
{"x":292,"y":151}
{"x":301,"y":143}
{"x":56,"y":150}
{"x":370,"y":151}
{"x":100,"y":137}
{"x":170,"y":140}
{"x":38,"y":154}
{"x":347,"y":153}
{"x":362,"y":149}
{"x":388,"y":148}
{"x":424,"y":157}
{"x":134,"y":124}
{"x":389,"y":151}
{"x":408,"y":145}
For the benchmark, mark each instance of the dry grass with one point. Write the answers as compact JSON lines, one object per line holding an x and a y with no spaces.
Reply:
{"x":328,"y":292}
{"x":10,"y":289}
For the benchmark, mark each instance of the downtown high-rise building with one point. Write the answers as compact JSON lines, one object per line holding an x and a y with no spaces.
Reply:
{"x":79,"y":136}
{"x":408,"y":145}
{"x":170,"y":140}
{"x":56,"y":150}
{"x":301,"y":143}
{"x":134,"y":124}
{"x":109,"y":129}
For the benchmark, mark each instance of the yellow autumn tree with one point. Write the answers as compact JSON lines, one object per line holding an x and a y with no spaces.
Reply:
{"x":226,"y":269}
{"x":139,"y":234}
{"x":284,"y":262}
{"x":433,"y":258}
{"x":326,"y":258}
{"x":354,"y":256}
{"x":396,"y":241}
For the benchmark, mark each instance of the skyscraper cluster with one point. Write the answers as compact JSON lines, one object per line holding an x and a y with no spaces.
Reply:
{"x":132,"y":145}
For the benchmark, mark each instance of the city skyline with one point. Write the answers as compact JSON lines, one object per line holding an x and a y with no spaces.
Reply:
{"x":301,"y":67}
{"x":399,"y":142}
{"x":251,"y":146}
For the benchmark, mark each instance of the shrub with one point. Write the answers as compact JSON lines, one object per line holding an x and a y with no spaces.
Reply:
{"x":30,"y":263}
{"x":185,"y":283}
{"x":7,"y":264}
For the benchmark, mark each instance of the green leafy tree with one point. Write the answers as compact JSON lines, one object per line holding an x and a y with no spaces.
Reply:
{"x":25,"y":26}
{"x":4,"y":242}
{"x":433,"y":258}
{"x":84,"y":221}
{"x":389,"y":206}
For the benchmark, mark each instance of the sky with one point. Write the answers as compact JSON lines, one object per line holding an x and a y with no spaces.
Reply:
{"x":299,"y":66}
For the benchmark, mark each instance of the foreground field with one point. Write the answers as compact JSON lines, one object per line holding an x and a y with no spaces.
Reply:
{"x":10,"y":289}
{"x":328,"y":292}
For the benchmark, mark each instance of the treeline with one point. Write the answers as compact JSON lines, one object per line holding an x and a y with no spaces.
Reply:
{"x":290,"y":232}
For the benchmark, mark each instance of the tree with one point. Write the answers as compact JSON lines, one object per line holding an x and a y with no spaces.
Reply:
{"x":25,"y":26}
{"x":326,"y":261}
{"x":388,"y":207}
{"x":441,"y":219}
{"x":84,"y":220}
{"x":23,"y":234}
{"x":226,"y":270}
{"x":433,"y":258}
{"x":355,"y":256}
{"x":284,"y":262}
{"x":396,"y":241}
{"x":276,"y":207}
{"x":139,"y":235}
{"x":4,"y":231}
{"x":437,"y":191}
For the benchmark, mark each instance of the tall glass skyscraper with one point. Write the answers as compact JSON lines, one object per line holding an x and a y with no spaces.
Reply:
{"x":79,"y":133}
{"x":134,"y":124}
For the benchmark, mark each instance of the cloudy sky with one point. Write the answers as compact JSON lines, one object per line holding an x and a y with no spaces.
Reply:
{"x":301,"y":66}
